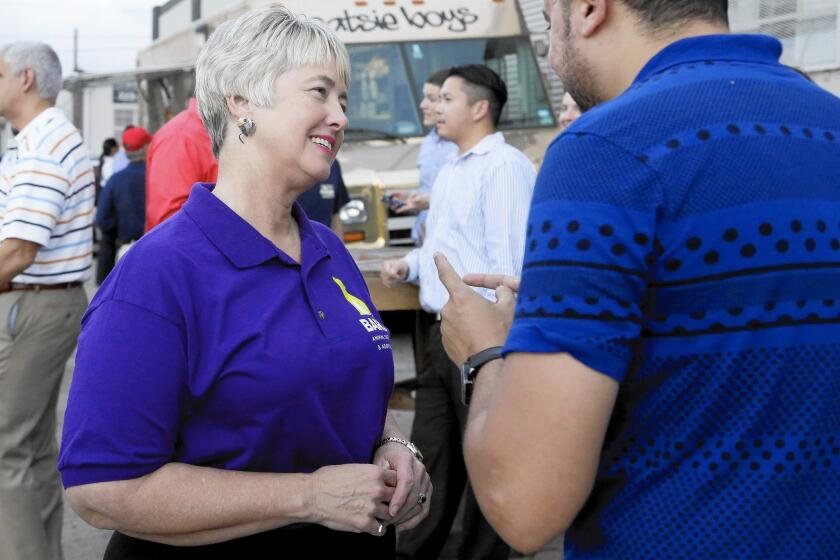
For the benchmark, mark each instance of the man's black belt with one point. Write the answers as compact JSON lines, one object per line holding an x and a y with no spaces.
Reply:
{"x":14,"y":287}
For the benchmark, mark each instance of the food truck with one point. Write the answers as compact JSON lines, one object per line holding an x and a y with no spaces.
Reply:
{"x":394,"y":45}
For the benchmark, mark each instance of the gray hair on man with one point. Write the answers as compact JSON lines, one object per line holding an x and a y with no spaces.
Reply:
{"x":137,"y":155}
{"x":244,"y":57}
{"x":41,"y":59}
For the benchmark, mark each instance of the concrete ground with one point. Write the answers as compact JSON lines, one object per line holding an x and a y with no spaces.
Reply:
{"x":83,"y":542}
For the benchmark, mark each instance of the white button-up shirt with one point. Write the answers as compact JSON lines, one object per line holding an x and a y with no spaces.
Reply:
{"x":478,"y":215}
{"x":434,"y":154}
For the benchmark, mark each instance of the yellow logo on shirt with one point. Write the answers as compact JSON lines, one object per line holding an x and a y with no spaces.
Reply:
{"x":369,"y":323}
{"x":357,"y":303}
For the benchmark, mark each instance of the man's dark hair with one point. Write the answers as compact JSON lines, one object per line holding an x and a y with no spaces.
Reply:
{"x":437,"y":78}
{"x":483,"y":83}
{"x":659,"y":14}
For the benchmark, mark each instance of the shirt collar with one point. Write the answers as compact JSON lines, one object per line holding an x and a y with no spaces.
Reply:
{"x":436,"y":137}
{"x":759,"y":49}
{"x":238,"y":240}
{"x":485,"y":145}
{"x":36,"y":124}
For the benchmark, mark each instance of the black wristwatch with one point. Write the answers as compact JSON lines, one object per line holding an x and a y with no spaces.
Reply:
{"x":469,"y":370}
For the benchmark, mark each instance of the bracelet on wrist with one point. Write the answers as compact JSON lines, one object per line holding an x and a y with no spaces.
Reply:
{"x":411,"y":447}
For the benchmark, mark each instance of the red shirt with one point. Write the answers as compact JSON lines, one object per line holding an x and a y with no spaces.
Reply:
{"x":179,"y":156}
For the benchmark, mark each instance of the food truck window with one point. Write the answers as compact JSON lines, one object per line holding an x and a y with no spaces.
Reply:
{"x":512,"y":58}
{"x":388,"y":81}
{"x":380,"y":97}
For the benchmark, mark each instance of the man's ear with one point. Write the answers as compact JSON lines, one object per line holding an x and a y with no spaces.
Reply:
{"x":27,"y":80}
{"x":239,"y":106}
{"x":588,"y":16}
{"x":480,"y":109}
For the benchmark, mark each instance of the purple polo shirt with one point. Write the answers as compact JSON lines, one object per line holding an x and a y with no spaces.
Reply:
{"x":208,"y":345}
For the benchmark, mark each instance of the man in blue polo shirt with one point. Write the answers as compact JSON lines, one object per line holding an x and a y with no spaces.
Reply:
{"x":671,"y":381}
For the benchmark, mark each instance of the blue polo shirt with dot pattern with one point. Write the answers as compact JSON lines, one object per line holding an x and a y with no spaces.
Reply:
{"x":208,"y":345}
{"x":684,"y":240}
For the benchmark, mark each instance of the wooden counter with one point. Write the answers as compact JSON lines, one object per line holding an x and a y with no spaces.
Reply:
{"x":402,"y":297}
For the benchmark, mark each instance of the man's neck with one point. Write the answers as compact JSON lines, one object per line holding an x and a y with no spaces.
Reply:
{"x":28,"y":112}
{"x":641,"y":48}
{"x":470,"y":140}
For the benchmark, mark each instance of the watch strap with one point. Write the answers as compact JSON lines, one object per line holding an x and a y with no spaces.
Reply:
{"x":469,"y":369}
{"x":488,"y":354}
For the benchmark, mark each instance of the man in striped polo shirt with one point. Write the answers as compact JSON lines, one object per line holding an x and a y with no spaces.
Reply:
{"x":46,"y":212}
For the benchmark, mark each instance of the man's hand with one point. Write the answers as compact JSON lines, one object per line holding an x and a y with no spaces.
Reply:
{"x":492,"y":281}
{"x":393,"y":271}
{"x":470,"y":323}
{"x":412,"y":203}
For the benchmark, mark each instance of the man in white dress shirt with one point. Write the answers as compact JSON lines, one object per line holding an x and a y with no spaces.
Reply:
{"x":477,"y":218}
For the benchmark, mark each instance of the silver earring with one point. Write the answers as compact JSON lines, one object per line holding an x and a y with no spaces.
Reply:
{"x":246,"y":126}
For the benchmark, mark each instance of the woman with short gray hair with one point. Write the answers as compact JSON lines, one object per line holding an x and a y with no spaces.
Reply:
{"x":232,"y":378}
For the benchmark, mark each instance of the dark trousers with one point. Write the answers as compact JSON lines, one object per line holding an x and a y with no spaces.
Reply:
{"x":107,"y":257}
{"x":438,"y":428}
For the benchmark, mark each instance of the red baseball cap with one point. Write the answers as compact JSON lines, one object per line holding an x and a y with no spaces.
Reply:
{"x":135,"y":139}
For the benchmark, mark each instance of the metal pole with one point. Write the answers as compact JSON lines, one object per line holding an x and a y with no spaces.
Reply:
{"x":78,"y":92}
{"x":75,"y":49}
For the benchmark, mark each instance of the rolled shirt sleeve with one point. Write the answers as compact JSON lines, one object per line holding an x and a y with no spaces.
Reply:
{"x":589,"y":251}
{"x":413,"y":261}
{"x":126,"y":427}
